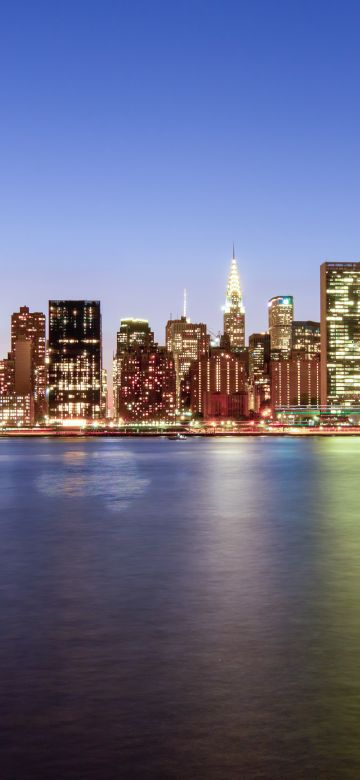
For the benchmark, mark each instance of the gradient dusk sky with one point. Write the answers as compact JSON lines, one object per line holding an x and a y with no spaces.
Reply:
{"x":140,"y":139}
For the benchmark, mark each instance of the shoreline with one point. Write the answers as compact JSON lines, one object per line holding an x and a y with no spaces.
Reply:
{"x":75,"y":434}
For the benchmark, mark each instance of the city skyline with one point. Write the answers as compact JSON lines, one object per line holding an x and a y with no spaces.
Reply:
{"x":256,"y":321}
{"x":190,"y":373}
{"x":130,"y":160}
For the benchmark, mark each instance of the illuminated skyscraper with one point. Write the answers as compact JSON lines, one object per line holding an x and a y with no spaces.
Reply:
{"x":259,"y":375}
{"x":281,"y":315}
{"x":16,"y":410}
{"x":295,"y":382}
{"x":259,"y":355}
{"x":7,"y":375}
{"x":305,"y":338}
{"x":340,"y":334}
{"x":218,"y":385}
{"x":74,"y":360}
{"x":104,"y":393}
{"x":147,"y":385}
{"x":187,"y":341}
{"x":234,"y":312}
{"x":133,"y":333}
{"x":28,"y":350}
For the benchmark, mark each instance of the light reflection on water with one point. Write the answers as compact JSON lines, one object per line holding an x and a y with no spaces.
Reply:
{"x":213,"y":633}
{"x":110,"y":476}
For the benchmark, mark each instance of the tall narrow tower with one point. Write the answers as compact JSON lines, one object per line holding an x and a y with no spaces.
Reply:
{"x":75,"y":360}
{"x":234,"y":312}
{"x":28,"y":350}
{"x":340,"y":334}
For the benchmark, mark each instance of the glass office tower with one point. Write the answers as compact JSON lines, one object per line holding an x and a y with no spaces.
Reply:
{"x":305,"y":338}
{"x":281,"y":315}
{"x":340,"y":334}
{"x":74,"y":360}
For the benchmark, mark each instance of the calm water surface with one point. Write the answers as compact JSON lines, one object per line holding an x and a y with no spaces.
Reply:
{"x":180,"y":609}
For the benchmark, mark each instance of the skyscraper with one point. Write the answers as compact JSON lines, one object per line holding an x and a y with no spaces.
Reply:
{"x":16,"y":398}
{"x":104,"y":393}
{"x":259,"y":375}
{"x":187,"y":341}
{"x":281,"y":315}
{"x":340,"y":334}
{"x":28,"y":350}
{"x":218,"y":385}
{"x":295,"y":382}
{"x":74,"y":360}
{"x":133,"y":333}
{"x":147,"y":385}
{"x":7,"y":375}
{"x":305,"y":338}
{"x":234,"y":312}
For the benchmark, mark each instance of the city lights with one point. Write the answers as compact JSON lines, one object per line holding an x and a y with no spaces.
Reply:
{"x":296,"y":375}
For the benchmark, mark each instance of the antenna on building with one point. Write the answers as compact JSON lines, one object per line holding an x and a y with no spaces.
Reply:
{"x":233,"y":257}
{"x":185,"y":302}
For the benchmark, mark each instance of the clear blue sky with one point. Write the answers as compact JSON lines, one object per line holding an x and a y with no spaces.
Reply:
{"x":140,"y":139}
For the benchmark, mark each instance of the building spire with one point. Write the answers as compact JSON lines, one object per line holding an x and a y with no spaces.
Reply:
{"x":185,"y":302}
{"x":234,"y":312}
{"x":233,"y":290}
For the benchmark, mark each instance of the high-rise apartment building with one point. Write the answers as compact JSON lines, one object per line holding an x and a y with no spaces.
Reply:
{"x":74,"y":360}
{"x":132,"y":334}
{"x":187,"y":341}
{"x":147,"y":385}
{"x":340,"y":334}
{"x":16,"y":410}
{"x":281,"y":315}
{"x":28,"y":350}
{"x":7,"y":375}
{"x":234,"y":312}
{"x":305,"y":338}
{"x":295,"y":382}
{"x":218,"y":385}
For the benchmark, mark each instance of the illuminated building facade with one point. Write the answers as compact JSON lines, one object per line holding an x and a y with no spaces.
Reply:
{"x":234,"y":312}
{"x":7,"y":375}
{"x":133,"y":333}
{"x":186,"y":341}
{"x":216,"y":375}
{"x":259,"y":373}
{"x":225,"y":407}
{"x":295,"y":382}
{"x":340,"y":334}
{"x":147,"y":385}
{"x":305,"y":338}
{"x":16,"y":410}
{"x":104,"y":393}
{"x":28,"y":342}
{"x":74,"y":360}
{"x":281,"y":315}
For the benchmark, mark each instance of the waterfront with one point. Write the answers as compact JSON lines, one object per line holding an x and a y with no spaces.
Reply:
{"x":177,"y":609}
